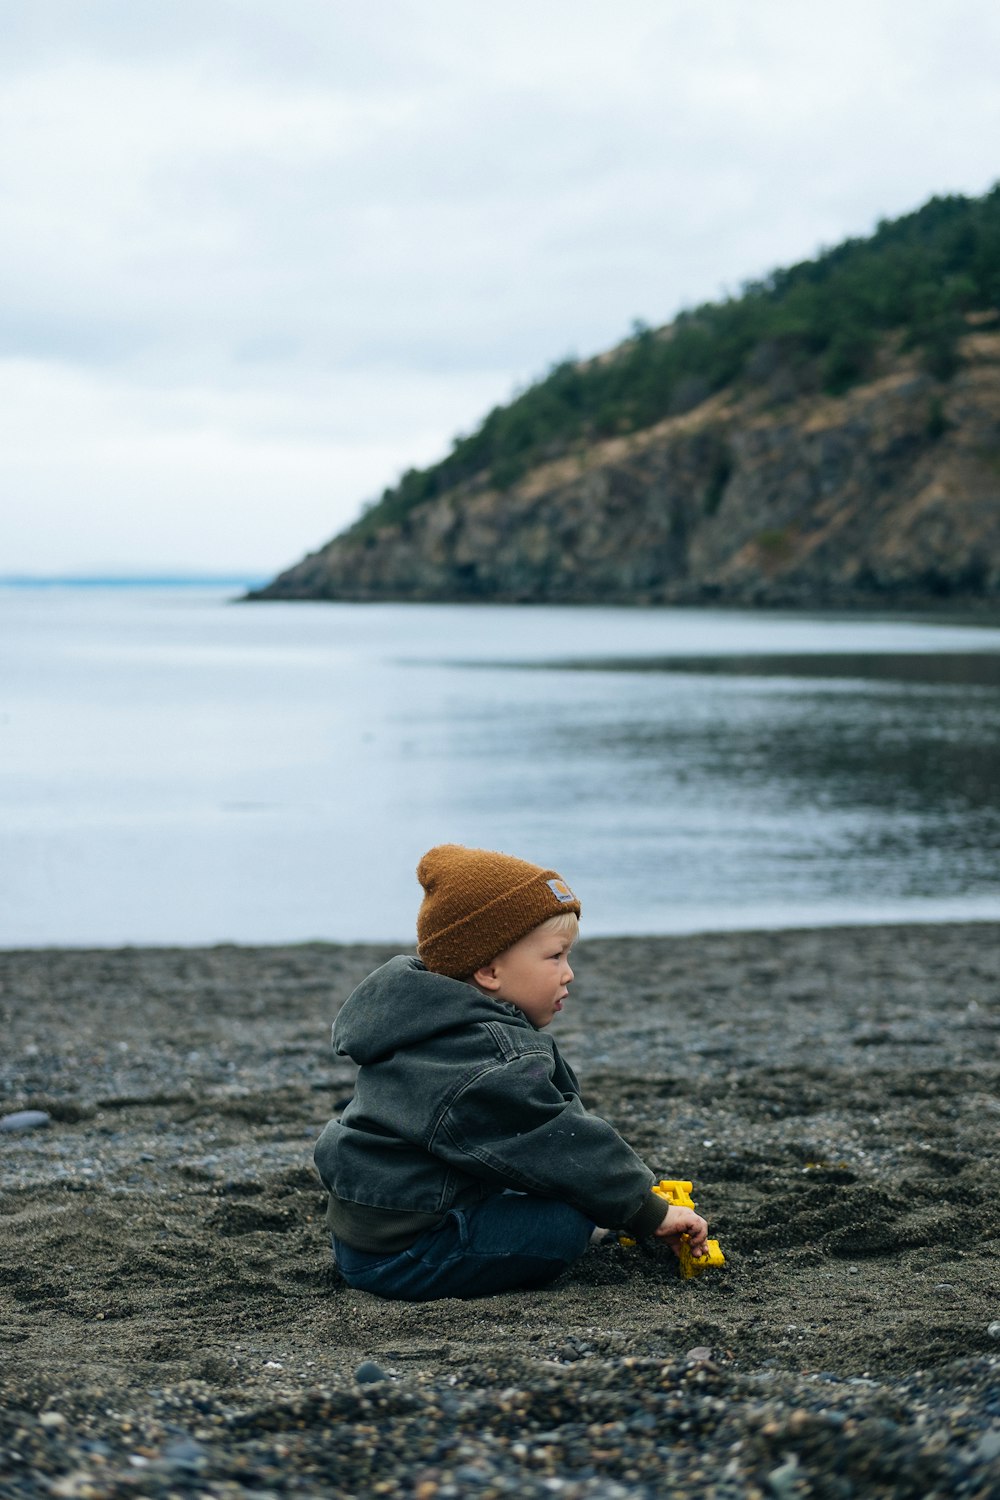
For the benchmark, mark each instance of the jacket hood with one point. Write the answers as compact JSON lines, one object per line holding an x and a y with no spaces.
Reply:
{"x":402,"y":1004}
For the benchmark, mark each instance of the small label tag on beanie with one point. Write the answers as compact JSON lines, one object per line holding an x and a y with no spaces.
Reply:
{"x":560,"y":890}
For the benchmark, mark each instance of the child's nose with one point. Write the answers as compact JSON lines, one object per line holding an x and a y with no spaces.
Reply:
{"x":568,"y":972}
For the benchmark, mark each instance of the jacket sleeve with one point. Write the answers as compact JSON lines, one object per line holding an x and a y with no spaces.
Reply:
{"x":511,"y":1126}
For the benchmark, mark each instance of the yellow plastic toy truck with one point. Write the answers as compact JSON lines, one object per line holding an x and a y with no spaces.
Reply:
{"x":679,"y":1194}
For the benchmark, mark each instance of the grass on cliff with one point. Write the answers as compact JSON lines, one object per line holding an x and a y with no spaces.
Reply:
{"x":813,"y":326}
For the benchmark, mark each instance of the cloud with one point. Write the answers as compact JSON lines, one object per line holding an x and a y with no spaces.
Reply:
{"x":209,"y":477}
{"x":384,"y":218}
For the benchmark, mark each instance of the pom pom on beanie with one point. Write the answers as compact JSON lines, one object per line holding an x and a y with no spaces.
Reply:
{"x":477,"y":903}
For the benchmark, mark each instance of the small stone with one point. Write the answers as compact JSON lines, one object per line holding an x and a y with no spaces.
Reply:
{"x":25,"y":1119}
{"x":78,"y":1485}
{"x":784,"y":1479}
{"x":470,"y":1474}
{"x":51,"y":1419}
{"x":368,"y":1371}
{"x":852,"y":1270}
{"x":993,"y":1329}
{"x":988,"y":1447}
{"x":699,"y":1352}
{"x":944,"y":1288}
{"x":185,"y":1453}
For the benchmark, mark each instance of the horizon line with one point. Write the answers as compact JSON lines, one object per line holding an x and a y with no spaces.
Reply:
{"x":30,"y":580}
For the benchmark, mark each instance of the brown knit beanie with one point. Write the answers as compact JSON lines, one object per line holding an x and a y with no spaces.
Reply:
{"x":477,"y":903}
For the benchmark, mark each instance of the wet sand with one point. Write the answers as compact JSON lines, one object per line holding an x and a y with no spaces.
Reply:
{"x":171,"y":1323}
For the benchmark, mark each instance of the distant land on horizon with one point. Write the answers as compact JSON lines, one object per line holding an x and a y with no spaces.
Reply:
{"x":243,"y":579}
{"x":829,"y":439}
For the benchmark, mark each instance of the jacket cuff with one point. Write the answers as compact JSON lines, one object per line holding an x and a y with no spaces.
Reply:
{"x":649,"y":1218}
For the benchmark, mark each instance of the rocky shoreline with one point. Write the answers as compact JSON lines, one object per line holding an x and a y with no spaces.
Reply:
{"x":172,"y":1325}
{"x":882,"y":498}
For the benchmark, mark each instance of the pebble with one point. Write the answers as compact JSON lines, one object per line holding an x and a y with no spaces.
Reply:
{"x":368,"y":1372}
{"x":25,"y":1119}
{"x":185,"y":1454}
{"x":988,"y":1447}
{"x":784,"y":1480}
{"x":993,"y":1329}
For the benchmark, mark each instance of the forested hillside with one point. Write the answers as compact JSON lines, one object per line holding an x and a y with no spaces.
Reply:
{"x":884,"y":342}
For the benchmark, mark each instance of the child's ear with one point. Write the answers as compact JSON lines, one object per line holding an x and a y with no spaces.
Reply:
{"x":487,"y":977}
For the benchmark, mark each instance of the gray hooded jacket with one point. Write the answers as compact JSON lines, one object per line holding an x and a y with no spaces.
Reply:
{"x":459,"y":1096}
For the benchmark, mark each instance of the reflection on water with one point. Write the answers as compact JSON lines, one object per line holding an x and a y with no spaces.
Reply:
{"x":961,"y":669}
{"x":177,"y":770}
{"x":722,"y":795}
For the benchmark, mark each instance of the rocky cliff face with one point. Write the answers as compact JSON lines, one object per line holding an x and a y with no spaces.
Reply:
{"x":888,"y":495}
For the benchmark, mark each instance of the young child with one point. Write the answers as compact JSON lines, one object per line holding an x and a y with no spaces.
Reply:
{"x":466,"y":1163}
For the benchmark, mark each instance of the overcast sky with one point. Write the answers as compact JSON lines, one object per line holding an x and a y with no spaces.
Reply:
{"x":261,"y":256}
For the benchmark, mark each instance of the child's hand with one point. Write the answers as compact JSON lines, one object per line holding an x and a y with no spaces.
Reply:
{"x":680,"y":1224}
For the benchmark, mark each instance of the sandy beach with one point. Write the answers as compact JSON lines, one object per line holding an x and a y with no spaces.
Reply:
{"x":172,"y":1324}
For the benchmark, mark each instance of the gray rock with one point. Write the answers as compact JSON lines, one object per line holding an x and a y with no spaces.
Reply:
{"x":784,"y":1480}
{"x":185,"y":1454}
{"x":368,"y":1371}
{"x":988,"y":1447}
{"x":25,"y":1119}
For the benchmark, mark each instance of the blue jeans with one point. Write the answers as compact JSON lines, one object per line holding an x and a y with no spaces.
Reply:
{"x":506,"y":1241}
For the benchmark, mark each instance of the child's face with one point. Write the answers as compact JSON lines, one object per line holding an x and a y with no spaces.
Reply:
{"x":534,"y":975}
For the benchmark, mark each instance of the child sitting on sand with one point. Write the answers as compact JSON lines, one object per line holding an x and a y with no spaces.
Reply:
{"x":466,"y":1163}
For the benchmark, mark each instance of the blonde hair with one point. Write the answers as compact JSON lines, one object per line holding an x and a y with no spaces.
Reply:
{"x":565,"y":923}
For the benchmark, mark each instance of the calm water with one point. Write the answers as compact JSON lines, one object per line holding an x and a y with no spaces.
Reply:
{"x":178,"y":769}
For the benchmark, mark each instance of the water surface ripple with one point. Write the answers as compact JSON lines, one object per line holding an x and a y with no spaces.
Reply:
{"x":179,"y":769}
